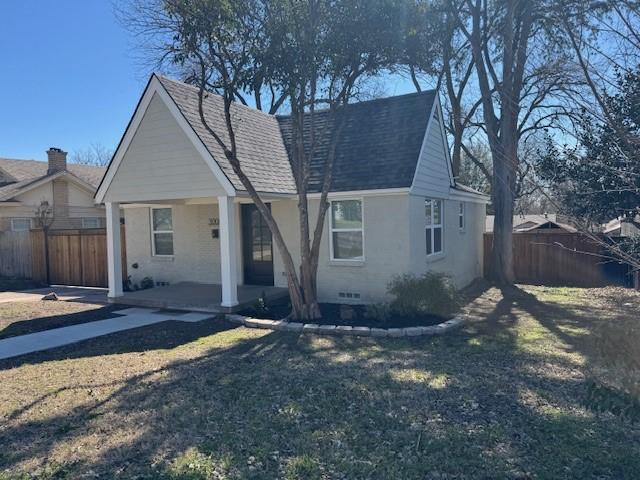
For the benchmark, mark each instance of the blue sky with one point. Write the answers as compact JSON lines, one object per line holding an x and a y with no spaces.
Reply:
{"x":70,"y":76}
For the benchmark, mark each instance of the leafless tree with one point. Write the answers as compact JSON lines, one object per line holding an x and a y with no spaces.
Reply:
{"x":96,"y":155}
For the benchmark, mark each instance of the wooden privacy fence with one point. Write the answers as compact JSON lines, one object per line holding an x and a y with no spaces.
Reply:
{"x":559,"y":259}
{"x":15,"y":254}
{"x":72,"y":257}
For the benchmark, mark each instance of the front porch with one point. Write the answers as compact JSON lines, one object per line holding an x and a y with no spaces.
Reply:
{"x":199,"y":297}
{"x":208,"y":260}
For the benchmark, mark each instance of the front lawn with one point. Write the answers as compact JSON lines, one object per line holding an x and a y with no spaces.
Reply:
{"x":508,"y":396}
{"x":21,"y":318}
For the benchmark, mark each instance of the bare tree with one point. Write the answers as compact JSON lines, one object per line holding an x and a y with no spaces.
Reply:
{"x":520,"y":83}
{"x":599,"y":179}
{"x":96,"y":154}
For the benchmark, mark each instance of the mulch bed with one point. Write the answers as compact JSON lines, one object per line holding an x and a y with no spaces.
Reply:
{"x":348,"y":315}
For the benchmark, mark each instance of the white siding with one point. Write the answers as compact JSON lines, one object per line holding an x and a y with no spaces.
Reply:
{"x":80,"y":202}
{"x":79,"y":197}
{"x":161,"y":163}
{"x":463,"y":251}
{"x":30,"y":202}
{"x":432,"y":174}
{"x":37,"y":195}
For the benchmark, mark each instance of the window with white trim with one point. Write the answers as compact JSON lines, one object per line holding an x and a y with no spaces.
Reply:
{"x":90,"y":222}
{"x":347,"y":233}
{"x":461,"y":216}
{"x":20,"y":224}
{"x":162,"y":232}
{"x":433,"y":225}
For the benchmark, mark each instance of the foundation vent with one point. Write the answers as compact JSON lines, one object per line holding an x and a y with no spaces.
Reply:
{"x":348,"y":296}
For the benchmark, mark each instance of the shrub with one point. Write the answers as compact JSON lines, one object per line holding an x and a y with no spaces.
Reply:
{"x":428,"y":294}
{"x":146,"y":282}
{"x":380,"y":312}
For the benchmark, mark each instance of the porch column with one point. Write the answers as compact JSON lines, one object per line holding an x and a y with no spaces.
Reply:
{"x":114,"y":249}
{"x":227,"y":210}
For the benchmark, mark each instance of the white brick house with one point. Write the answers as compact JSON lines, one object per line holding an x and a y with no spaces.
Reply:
{"x":395,"y":206}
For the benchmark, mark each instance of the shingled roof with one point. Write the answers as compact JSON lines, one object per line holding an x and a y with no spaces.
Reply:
{"x":23,"y":173}
{"x":261,"y":150}
{"x":378,"y":147}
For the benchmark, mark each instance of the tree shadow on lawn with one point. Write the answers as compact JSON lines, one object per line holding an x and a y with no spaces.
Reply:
{"x":159,"y":336}
{"x":258,"y":404}
{"x":581,"y":325}
{"x":42,"y":323}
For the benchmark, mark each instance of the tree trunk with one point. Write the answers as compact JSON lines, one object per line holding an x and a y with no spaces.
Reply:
{"x":503,"y":202}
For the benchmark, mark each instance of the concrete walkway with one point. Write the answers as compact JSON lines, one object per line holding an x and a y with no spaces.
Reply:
{"x":75,"y":294}
{"x":57,"y":337}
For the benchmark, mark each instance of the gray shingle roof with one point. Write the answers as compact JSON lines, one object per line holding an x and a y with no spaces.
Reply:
{"x":261,"y":150}
{"x":25,"y":172}
{"x":378,"y":148}
{"x":379,"y":145}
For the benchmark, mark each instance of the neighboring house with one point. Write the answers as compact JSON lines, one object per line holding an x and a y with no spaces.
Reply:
{"x":531,"y":223}
{"x":621,"y":227}
{"x":26,"y":185}
{"x":395,"y":206}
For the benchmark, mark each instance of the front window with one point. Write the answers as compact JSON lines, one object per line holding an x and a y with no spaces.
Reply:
{"x":91,"y":222}
{"x":347,"y":235}
{"x":20,"y":224}
{"x":433,"y":224}
{"x":162,"y":231}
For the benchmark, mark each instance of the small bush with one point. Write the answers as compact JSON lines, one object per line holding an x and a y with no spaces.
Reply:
{"x":146,"y":282}
{"x":380,"y":312}
{"x":428,"y":294}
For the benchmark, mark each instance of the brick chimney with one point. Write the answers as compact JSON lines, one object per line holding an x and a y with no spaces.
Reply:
{"x":57,"y":160}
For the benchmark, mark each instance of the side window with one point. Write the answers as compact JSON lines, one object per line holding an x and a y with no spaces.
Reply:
{"x":90,"y":222}
{"x":20,"y":224}
{"x":433,"y":225}
{"x":461,"y":217}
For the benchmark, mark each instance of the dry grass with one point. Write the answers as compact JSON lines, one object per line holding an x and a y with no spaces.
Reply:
{"x":503,"y":398}
{"x":20,"y":318}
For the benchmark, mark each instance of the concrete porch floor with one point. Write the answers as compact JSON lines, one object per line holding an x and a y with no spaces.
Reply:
{"x":198,"y":297}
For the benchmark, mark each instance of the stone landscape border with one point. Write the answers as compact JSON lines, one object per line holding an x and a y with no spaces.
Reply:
{"x":284,"y":326}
